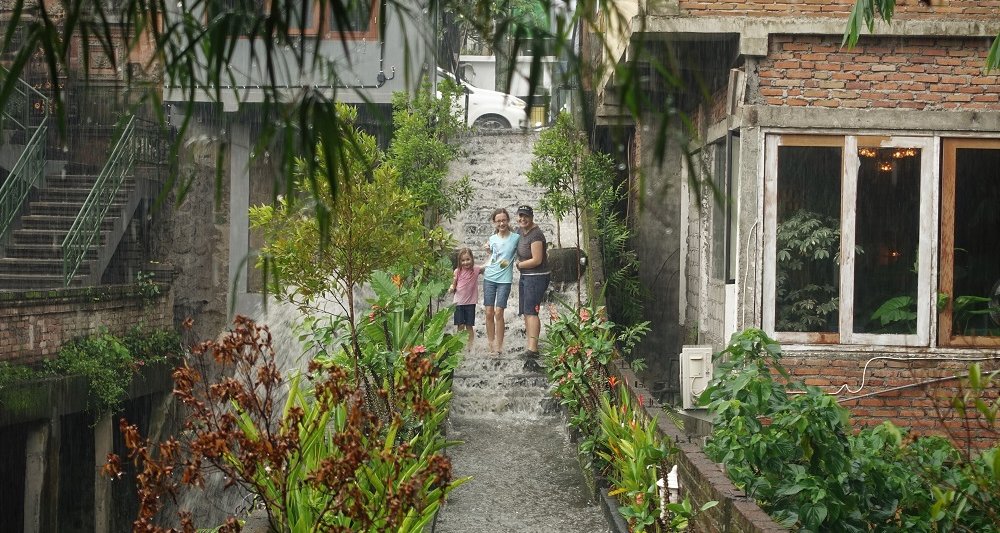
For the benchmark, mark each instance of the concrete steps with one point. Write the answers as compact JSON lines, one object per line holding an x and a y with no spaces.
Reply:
{"x":32,"y":258}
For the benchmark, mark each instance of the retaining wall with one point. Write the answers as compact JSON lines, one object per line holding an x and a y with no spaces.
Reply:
{"x":35,"y":324}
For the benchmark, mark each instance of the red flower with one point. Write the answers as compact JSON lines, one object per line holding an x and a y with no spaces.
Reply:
{"x":420,"y":348}
{"x":584,"y":314}
{"x":642,"y":401}
{"x":612,"y":381}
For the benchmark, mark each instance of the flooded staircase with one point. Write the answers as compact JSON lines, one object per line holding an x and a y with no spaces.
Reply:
{"x":525,"y":472}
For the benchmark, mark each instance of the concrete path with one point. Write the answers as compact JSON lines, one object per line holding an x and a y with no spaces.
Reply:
{"x":526,"y":477}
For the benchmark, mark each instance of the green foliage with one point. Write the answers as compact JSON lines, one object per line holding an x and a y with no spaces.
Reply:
{"x":558,"y":155}
{"x":617,"y":438}
{"x":578,"y":347}
{"x":808,"y":250}
{"x":630,"y":446}
{"x":575,"y":179}
{"x":16,"y":394}
{"x":146,"y":285}
{"x":309,"y":447}
{"x":376,"y":225}
{"x":420,"y":149}
{"x":897,"y":315}
{"x":620,"y":260}
{"x":796,"y":455}
{"x":109,"y":362}
{"x":149,"y":346}
{"x":398,"y":321}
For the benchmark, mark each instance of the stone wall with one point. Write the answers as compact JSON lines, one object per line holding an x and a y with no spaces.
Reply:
{"x":193,"y":235}
{"x":35,"y":324}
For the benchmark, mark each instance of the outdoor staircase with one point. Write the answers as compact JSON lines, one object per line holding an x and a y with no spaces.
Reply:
{"x":33,"y":256}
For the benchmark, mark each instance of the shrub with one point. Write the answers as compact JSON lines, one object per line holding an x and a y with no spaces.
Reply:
{"x":797,"y":456}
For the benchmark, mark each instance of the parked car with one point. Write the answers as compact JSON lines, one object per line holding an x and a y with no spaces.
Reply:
{"x":488,"y":109}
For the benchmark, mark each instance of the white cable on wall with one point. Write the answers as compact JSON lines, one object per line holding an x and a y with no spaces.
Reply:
{"x":864,"y":371}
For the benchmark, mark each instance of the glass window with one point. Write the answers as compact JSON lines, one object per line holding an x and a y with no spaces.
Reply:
{"x":807,"y":238}
{"x":970,"y":243}
{"x":886,"y":240}
{"x":356,"y":16}
{"x":850,"y":225}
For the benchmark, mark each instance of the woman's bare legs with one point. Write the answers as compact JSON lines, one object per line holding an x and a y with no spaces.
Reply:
{"x":499,"y":328}
{"x":490,"y":328}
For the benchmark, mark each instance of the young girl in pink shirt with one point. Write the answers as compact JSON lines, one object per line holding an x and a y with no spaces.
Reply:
{"x":465,"y":285}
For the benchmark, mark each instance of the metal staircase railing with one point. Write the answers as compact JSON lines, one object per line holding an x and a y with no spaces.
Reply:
{"x":30,"y":165}
{"x":133,"y":145}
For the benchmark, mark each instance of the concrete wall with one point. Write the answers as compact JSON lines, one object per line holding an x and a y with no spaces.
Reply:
{"x":658,"y":239}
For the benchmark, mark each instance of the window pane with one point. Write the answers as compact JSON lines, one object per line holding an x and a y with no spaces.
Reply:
{"x":300,"y":15}
{"x":887,"y":236}
{"x":808,"y":238}
{"x":977,"y":242}
{"x":358,"y":16}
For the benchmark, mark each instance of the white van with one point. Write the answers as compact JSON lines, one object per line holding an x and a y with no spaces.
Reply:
{"x":489,"y":109}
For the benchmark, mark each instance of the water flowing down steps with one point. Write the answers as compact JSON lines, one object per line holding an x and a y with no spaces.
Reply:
{"x":525,"y":473}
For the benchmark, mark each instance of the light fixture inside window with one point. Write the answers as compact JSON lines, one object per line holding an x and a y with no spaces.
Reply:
{"x":885,"y":166}
{"x":900,"y":153}
{"x":867,"y":152}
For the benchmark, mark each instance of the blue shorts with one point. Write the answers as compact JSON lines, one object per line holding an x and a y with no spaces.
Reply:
{"x":465,"y":315}
{"x":495,"y":294}
{"x":531,"y":292}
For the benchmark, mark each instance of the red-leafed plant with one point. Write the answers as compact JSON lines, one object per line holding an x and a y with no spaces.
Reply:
{"x":307,"y":447}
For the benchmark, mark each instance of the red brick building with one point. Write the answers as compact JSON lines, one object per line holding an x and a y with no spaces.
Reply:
{"x":859,"y":226}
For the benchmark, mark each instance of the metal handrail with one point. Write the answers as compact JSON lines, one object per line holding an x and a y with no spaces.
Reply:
{"x":30,"y":165}
{"x":84,"y":234}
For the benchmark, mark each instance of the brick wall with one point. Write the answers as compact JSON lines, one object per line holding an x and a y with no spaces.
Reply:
{"x":905,"y":9}
{"x":898,"y":73}
{"x":893,"y":391}
{"x":35,"y":324}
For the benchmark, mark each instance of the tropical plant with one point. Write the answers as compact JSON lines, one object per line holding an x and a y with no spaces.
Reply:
{"x":397,"y":322}
{"x":317,"y":461}
{"x":376,"y":226}
{"x":865,"y":12}
{"x":603,"y":194}
{"x":558,"y":156}
{"x":421,"y":149}
{"x":109,"y":362}
{"x":578,"y":348}
{"x":630,"y":447}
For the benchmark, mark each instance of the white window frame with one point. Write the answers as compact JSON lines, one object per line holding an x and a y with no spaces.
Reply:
{"x":927,"y":241}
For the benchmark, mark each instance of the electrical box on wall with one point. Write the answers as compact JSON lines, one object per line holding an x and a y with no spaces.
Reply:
{"x":696,"y":373}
